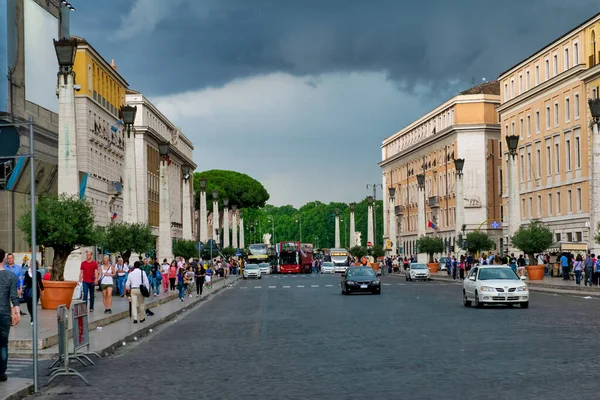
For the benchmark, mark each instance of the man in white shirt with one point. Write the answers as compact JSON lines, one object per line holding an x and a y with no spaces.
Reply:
{"x":136,"y":278}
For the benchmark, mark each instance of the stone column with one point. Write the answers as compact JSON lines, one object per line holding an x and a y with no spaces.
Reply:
{"x":370,"y":220}
{"x":130,"y":206}
{"x":460,"y":207}
{"x":234,"y":237}
{"x":352,"y":226}
{"x":337,"y":229}
{"x":225,"y":222}
{"x":392,"y":225}
{"x":187,"y":210}
{"x":203,"y":217}
{"x":421,"y":257}
{"x":514,"y":208}
{"x":165,"y":244}
{"x":242,"y":243}
{"x":68,"y":171}
{"x":215,"y":213}
{"x":595,"y":204}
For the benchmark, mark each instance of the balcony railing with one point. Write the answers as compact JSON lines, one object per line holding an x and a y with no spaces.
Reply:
{"x":434,"y":202}
{"x":399,"y":210}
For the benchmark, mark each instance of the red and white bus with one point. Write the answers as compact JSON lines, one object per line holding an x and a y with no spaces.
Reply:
{"x":288,"y":258}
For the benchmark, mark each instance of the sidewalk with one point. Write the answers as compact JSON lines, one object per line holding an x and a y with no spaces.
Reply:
{"x":547,"y":285}
{"x":106,"y":332}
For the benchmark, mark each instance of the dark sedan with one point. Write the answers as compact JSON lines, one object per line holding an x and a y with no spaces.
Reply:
{"x":360,"y":279}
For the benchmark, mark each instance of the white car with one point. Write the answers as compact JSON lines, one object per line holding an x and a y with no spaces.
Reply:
{"x":416,"y":272}
{"x":327,"y":268}
{"x":252,"y":271}
{"x":265,"y":268}
{"x":339,"y":268}
{"x":494,"y":284}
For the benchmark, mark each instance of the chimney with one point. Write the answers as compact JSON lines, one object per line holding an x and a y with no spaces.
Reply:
{"x":113,"y":65}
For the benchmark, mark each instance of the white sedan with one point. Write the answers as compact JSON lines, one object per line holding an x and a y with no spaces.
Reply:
{"x":416,"y":272}
{"x":265,"y":268}
{"x":491,"y":284}
{"x":327,"y":268}
{"x":252,"y":271}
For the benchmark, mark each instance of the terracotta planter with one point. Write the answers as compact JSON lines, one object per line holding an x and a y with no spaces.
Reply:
{"x":375,"y":266}
{"x":433,"y":267}
{"x":535,"y":272}
{"x":56,"y":293}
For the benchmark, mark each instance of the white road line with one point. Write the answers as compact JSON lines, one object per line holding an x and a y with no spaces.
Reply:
{"x":386,"y":284}
{"x":286,"y":287}
{"x":314,"y":285}
{"x":401,"y":284}
{"x":243,"y":287}
{"x":329,"y":285}
{"x":257,"y":287}
{"x":272,"y":287}
{"x":300,"y":286}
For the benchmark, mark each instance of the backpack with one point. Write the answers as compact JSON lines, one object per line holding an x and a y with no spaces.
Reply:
{"x":598,"y":265}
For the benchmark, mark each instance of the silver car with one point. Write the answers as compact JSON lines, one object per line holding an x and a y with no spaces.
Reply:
{"x":265,"y":268}
{"x":327,"y":268}
{"x":494,"y":284}
{"x":252,"y":271}
{"x":416,"y":272}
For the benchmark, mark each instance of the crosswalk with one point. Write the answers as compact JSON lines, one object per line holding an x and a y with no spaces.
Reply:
{"x":246,"y":287}
{"x":16,"y":365}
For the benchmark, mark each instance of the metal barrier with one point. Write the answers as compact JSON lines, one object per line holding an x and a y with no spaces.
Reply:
{"x":60,"y":366}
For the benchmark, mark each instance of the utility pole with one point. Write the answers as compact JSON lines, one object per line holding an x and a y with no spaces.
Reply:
{"x":374,"y":185}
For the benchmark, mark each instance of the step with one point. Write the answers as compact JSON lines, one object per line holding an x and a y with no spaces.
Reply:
{"x":20,"y":337}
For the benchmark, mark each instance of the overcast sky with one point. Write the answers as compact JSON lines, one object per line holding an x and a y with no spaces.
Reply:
{"x":300,"y":94}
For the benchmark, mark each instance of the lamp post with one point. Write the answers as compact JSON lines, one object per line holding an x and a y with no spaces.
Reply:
{"x":202,"y":231}
{"x":130,"y":214}
{"x":344,"y":241}
{"x":459,"y":163}
{"x":421,"y":257}
{"x":392,"y":219}
{"x":370,"y":220}
{"x":272,"y":229}
{"x":215,"y":212}
{"x":234,"y":238}
{"x":352,"y":237}
{"x":68,"y":171}
{"x":514,"y":211}
{"x":374,"y":186}
{"x":299,"y":221}
{"x":225,"y":223}
{"x":594,"y":105}
{"x":186,"y":203}
{"x":337,"y":228}
{"x":165,"y":245}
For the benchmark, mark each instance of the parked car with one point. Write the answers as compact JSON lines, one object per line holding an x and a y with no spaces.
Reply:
{"x":360,"y":279}
{"x":494,"y":284}
{"x":416,"y":271}
{"x":252,"y":271}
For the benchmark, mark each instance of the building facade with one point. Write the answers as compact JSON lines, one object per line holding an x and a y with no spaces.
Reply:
{"x":465,"y":126}
{"x":544,"y":102}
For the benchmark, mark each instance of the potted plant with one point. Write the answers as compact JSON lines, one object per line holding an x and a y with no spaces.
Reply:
{"x":377,"y":252}
{"x":533,"y":239}
{"x":358,"y":252}
{"x":64,"y":223}
{"x":430,"y":245}
{"x":125,"y":238}
{"x":478,"y":241}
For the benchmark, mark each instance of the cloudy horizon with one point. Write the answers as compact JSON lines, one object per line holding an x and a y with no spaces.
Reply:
{"x":299,"y":95}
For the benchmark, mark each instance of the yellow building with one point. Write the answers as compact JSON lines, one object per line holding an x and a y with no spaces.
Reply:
{"x":544,"y":102}
{"x":466,"y":126}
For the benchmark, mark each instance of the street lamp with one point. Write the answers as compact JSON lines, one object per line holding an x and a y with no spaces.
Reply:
{"x":459,"y":163}
{"x":370,"y":200}
{"x":65,"y":53}
{"x":127,"y":115}
{"x":421,"y":180}
{"x":186,"y":172}
{"x":512,"y":141}
{"x":272,"y":221}
{"x":163,"y":149}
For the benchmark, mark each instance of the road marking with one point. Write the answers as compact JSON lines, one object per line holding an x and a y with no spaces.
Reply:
{"x":243,"y":287}
{"x":401,"y":284}
{"x":329,"y":285}
{"x":300,"y":286}
{"x":386,"y":284}
{"x":257,"y":287}
{"x":314,"y":285}
{"x":286,"y":287}
{"x":272,"y":287}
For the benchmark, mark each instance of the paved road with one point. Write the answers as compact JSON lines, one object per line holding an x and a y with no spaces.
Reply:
{"x":298,"y":338}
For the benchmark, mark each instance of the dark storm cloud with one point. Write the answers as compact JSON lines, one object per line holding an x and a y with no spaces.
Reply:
{"x":429,"y":41}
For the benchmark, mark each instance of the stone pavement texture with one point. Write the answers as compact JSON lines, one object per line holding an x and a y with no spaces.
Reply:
{"x":299,"y":338}
{"x":106,"y":339}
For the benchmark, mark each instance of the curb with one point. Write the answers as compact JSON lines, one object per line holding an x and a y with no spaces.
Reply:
{"x":21,"y":393}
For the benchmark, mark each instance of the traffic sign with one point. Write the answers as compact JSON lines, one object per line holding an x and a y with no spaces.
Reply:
{"x":9,"y":139}
{"x":238,"y":252}
{"x":369,"y":244}
{"x":495,"y":225}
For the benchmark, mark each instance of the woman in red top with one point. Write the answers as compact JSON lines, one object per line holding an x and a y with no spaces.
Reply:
{"x":172,"y":275}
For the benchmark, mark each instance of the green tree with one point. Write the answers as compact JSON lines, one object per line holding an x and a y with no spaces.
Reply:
{"x":228,"y":252}
{"x":532,"y":239}
{"x":185,"y":248}
{"x":63,"y":223}
{"x":125,"y":238}
{"x":240,"y":189}
{"x":377,"y":251}
{"x":479,"y":241}
{"x":358,"y":251}
{"x":430,"y":245}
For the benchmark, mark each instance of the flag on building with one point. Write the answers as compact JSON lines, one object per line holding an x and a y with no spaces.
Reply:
{"x":431,"y":225}
{"x":114,"y":216}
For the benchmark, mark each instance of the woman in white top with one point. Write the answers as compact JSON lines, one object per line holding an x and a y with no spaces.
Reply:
{"x":107,"y":272}
{"x":164,"y":270}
